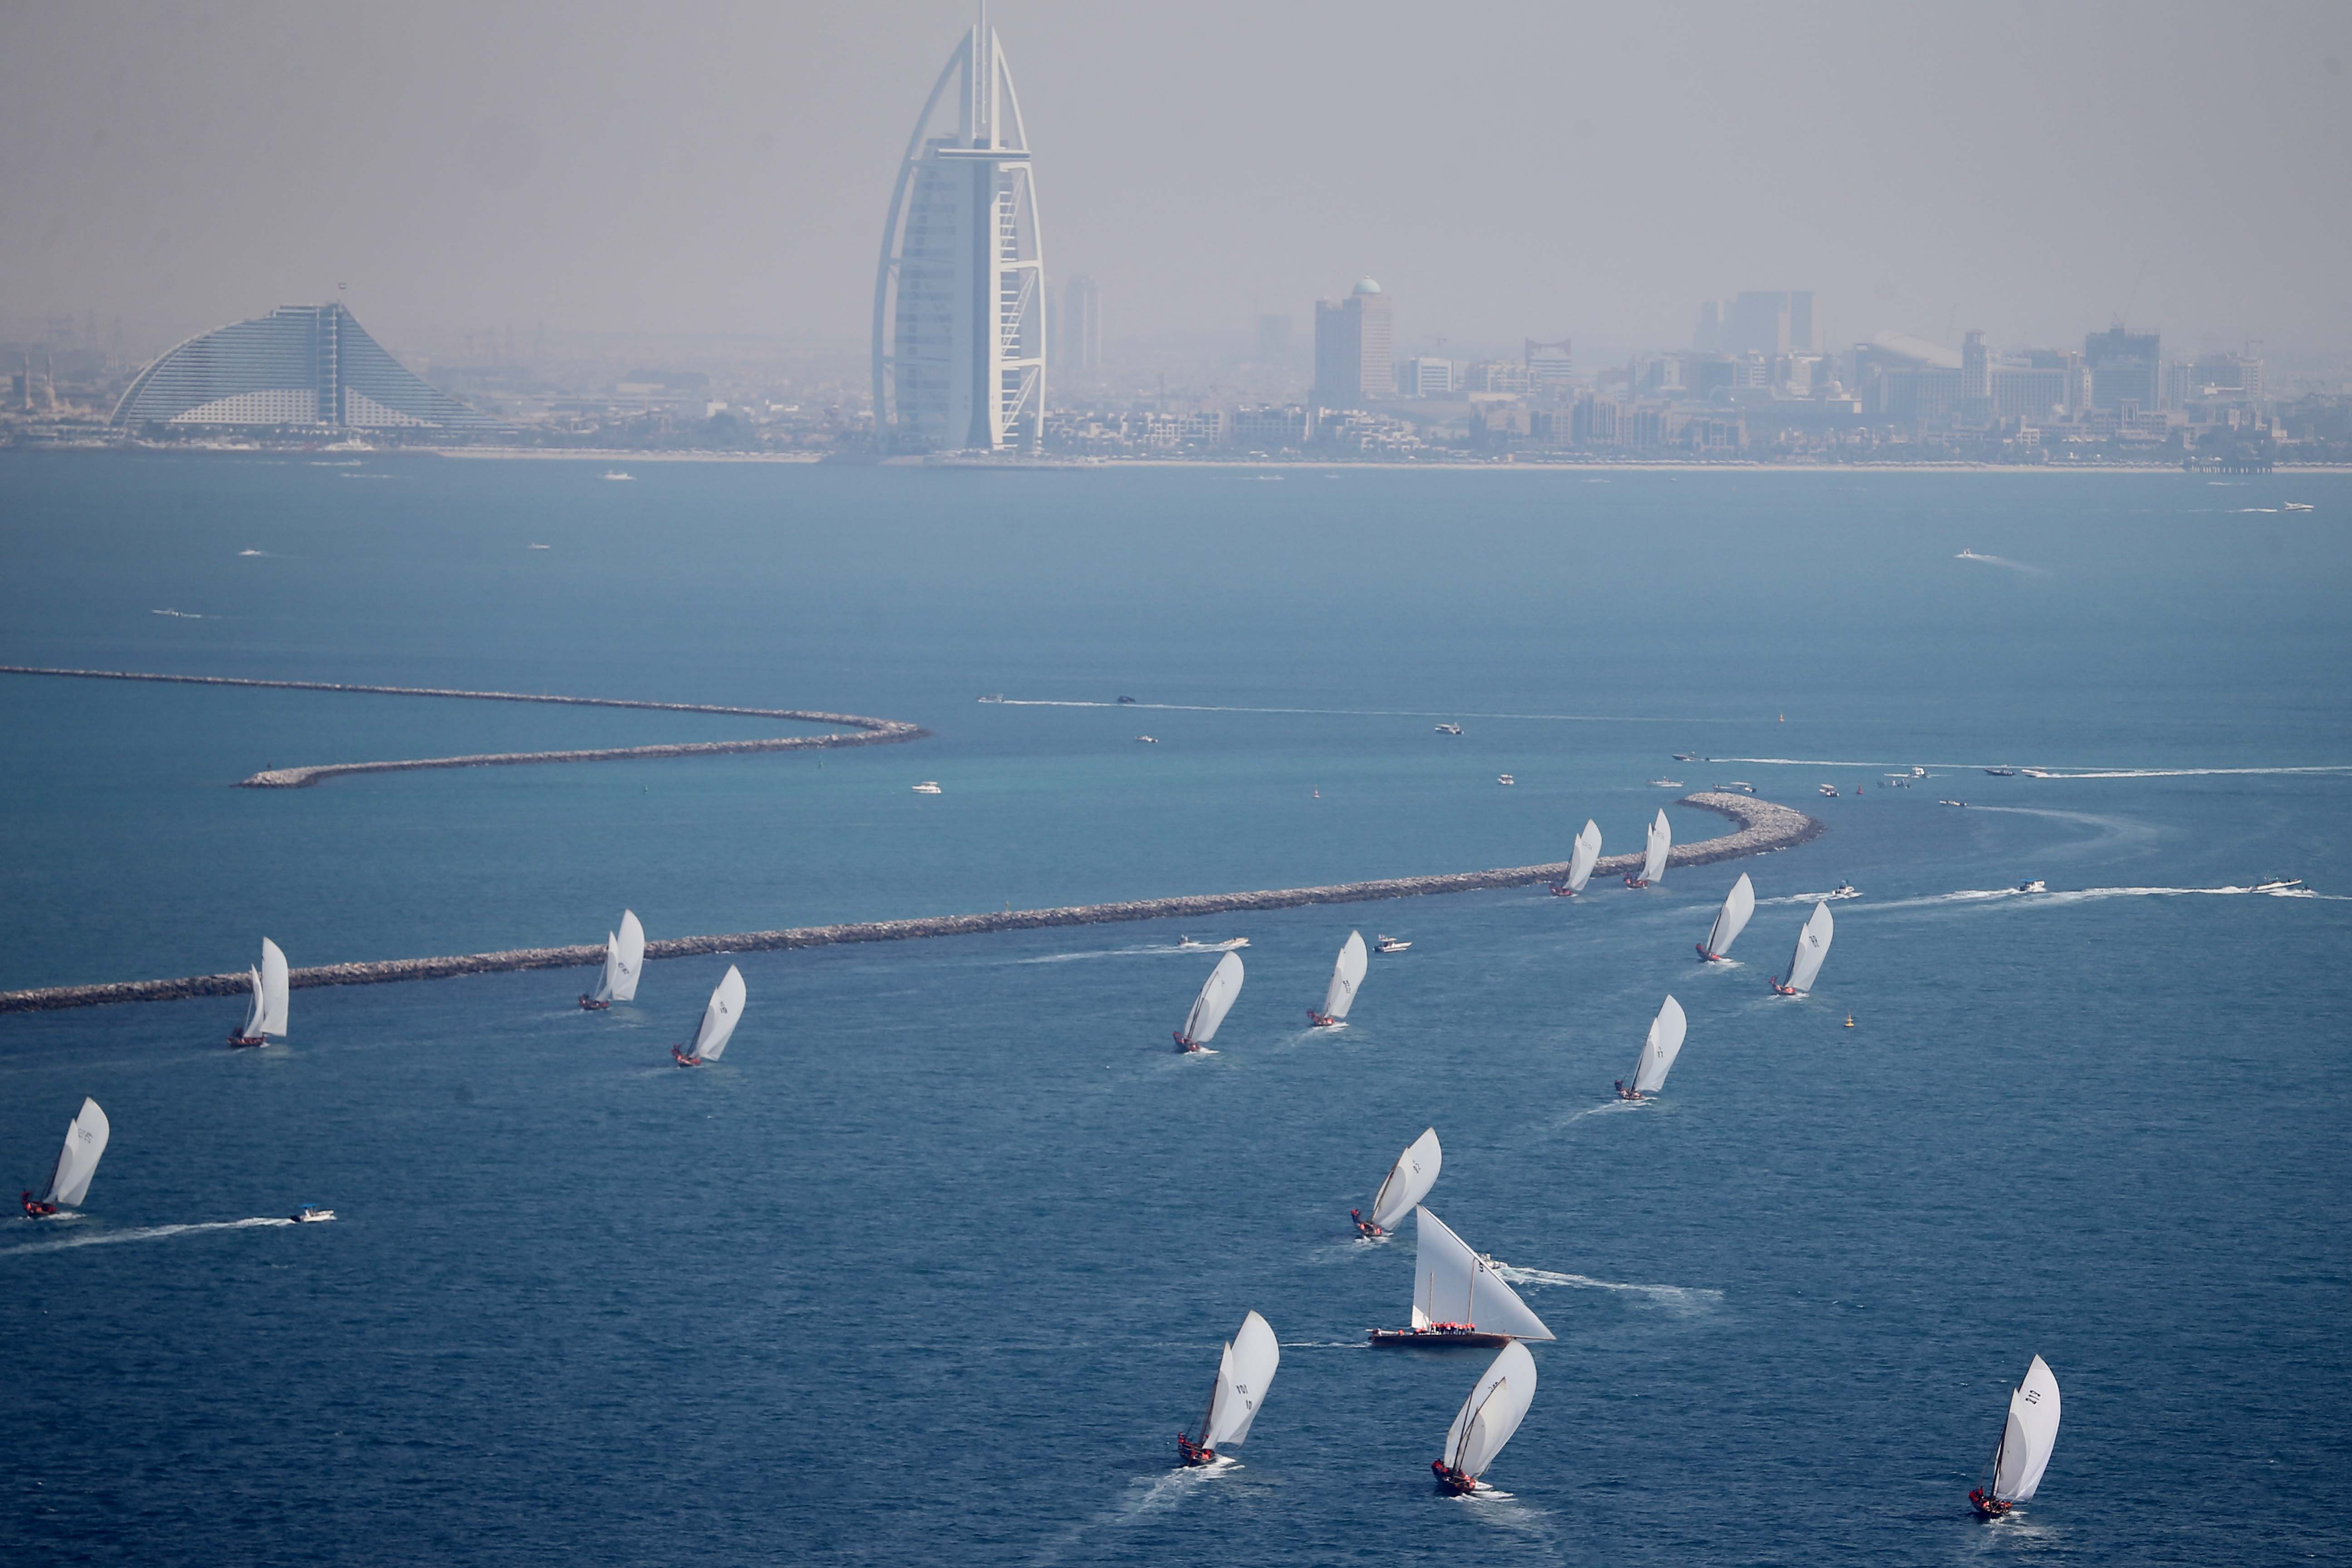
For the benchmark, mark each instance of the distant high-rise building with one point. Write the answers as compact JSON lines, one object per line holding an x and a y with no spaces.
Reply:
{"x":1550,"y":367}
{"x":1354,"y":339}
{"x":2125,"y":368}
{"x":1804,"y":335}
{"x":1273,"y":340}
{"x":1708,"y":339}
{"x":1770,"y":323}
{"x":1424,"y":377}
{"x":1077,"y":339}
{"x":960,"y":299}
{"x":298,"y":366}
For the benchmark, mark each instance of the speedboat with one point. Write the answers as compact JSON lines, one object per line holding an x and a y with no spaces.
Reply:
{"x":1125,"y":701}
{"x":1505,"y":779}
{"x":1186,"y":944}
{"x":928,"y":786}
{"x":2296,"y":505}
{"x":1959,"y":802}
{"x":1843,"y":890}
{"x":1147,"y":740}
{"x":1688,"y":757}
{"x":994,"y":696}
{"x":1742,"y":785}
{"x":1829,"y":789}
{"x":2277,"y":884}
{"x":1917,"y":772}
{"x":1665,"y":784}
{"x":1449,"y":729}
{"x":2035,"y":886}
{"x":617,"y":474}
{"x":311,"y":1213}
{"x":1389,"y":944}
{"x":2003,"y":772}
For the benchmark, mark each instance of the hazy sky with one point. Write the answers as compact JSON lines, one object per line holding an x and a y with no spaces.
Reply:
{"x":1505,"y":169}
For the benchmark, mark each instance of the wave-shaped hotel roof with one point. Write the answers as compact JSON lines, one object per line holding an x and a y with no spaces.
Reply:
{"x":298,"y":366}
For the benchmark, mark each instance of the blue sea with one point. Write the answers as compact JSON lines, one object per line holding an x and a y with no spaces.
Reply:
{"x":936,"y":1262}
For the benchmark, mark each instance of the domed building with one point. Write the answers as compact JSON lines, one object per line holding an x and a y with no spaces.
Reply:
{"x":301,"y":366}
{"x":1355,"y":343}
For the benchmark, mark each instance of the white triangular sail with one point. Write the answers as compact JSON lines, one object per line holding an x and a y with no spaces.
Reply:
{"x":1346,"y":975}
{"x":273,"y":990}
{"x":1497,"y":1405}
{"x":603,"y":991}
{"x":1580,"y":859}
{"x":719,"y":1018}
{"x":255,"y":1009}
{"x":85,"y":1137}
{"x":1244,"y":1375}
{"x":1216,"y":999}
{"x":1409,"y":1181}
{"x":1654,"y":856}
{"x":1452,"y":1284}
{"x":1658,"y":1052}
{"x":1732,"y":919}
{"x":1812,"y":946}
{"x":627,"y":958}
{"x":2028,"y":1437}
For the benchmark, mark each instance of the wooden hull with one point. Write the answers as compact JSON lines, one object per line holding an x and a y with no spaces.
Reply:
{"x":1437,"y":1339}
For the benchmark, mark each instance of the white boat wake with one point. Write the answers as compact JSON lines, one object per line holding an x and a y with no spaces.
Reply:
{"x":1682,"y":1298}
{"x":1162,"y":951}
{"x":2004,"y":562}
{"x":147,"y":1232}
{"x":2183,"y":773}
{"x":1448,"y":713}
{"x":2071,"y":895}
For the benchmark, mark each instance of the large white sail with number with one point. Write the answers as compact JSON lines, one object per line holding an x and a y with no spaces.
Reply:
{"x":624,"y":960}
{"x":1215,"y":1000}
{"x":1409,"y":1181}
{"x":1498,"y":1404}
{"x":1580,"y":859}
{"x":1452,"y":1284}
{"x":273,"y":990}
{"x":255,"y":1008}
{"x":85,"y":1137}
{"x":1812,"y":946}
{"x":1243,"y":1376}
{"x":1346,"y":975}
{"x":719,"y":1018}
{"x":2028,"y":1437}
{"x":1659,"y":1051}
{"x":1653,"y":855}
{"x":1732,"y":919}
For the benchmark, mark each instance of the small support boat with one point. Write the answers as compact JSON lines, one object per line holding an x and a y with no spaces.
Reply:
{"x":1828,"y":790}
{"x":1658,"y":1053}
{"x":1580,"y":857}
{"x":1186,"y":944}
{"x":1210,"y":1007}
{"x":1402,"y":1190}
{"x":1505,"y":779}
{"x":1665,"y":784}
{"x":1654,"y":854}
{"x":2003,"y":772}
{"x":1243,"y":1373}
{"x":928,"y":786}
{"x":1812,"y":946}
{"x":2035,"y":886}
{"x":1389,"y":944}
{"x":1346,"y":975}
{"x":2027,"y":1438}
{"x":624,"y":957}
{"x":1449,"y":729}
{"x":1446,"y":1275}
{"x":1498,"y":1404}
{"x":724,"y":1011}
{"x":2277,"y":885}
{"x":266,"y":1015}
{"x":1729,"y":920}
{"x":77,"y":1162}
{"x":311,"y":1213}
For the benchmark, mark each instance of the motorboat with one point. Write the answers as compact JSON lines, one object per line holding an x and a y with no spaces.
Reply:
{"x":1389,"y":944}
{"x":1742,"y":785}
{"x":625,"y":958}
{"x":2277,"y":885}
{"x":77,"y":1162}
{"x":1126,"y":701}
{"x":1402,"y":1190}
{"x":1959,"y":802}
{"x":266,"y":1013}
{"x":1186,"y":944}
{"x":1340,"y":994}
{"x":724,"y":1011}
{"x":1449,"y":1278}
{"x":1505,"y":779}
{"x":1729,"y":920}
{"x":2295,"y":506}
{"x":2027,"y":1438}
{"x":1843,"y":890}
{"x":991,"y":697}
{"x":2035,"y":886}
{"x":1829,"y":789}
{"x":1659,"y":1049}
{"x":1449,"y":729}
{"x":1917,"y":772}
{"x":2003,"y":772}
{"x":1688,"y":757}
{"x":311,"y":1213}
{"x":1812,"y":946}
{"x":1243,"y":1373}
{"x":1665,"y":784}
{"x":617,"y":474}
{"x":1579,"y":861}
{"x":1498,"y":1404}
{"x":1147,"y":740}
{"x":928,"y":786}
{"x":1654,"y":854}
{"x":1210,"y":1007}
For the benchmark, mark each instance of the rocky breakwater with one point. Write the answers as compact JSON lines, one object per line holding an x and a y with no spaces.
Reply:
{"x":1762,"y":827}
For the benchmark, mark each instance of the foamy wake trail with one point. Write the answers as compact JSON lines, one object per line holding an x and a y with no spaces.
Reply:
{"x":2061,"y":896}
{"x":1448,"y":713}
{"x":1683,"y":1297}
{"x":2185,"y":773}
{"x":149,"y":1232}
{"x":1107,"y":952}
{"x":2003,"y":562}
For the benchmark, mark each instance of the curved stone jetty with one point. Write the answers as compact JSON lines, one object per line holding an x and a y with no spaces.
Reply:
{"x":869,"y":731}
{"x":1764,"y":826}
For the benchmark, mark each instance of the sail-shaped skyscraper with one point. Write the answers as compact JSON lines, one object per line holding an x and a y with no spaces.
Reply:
{"x":960,"y":299}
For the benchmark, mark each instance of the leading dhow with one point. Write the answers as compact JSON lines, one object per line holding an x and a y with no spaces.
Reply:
{"x":1243,"y":1373}
{"x":1654,"y":853}
{"x":1450,"y":1279}
{"x":1812,"y":946}
{"x":1210,"y":1007}
{"x":625,"y":956}
{"x":1658,"y":1053}
{"x":718,"y":1021}
{"x":2026,"y":1439}
{"x":1498,"y":1404}
{"x":1409,"y":1181}
{"x":1729,"y":920}
{"x":1579,"y":861}
{"x":266,"y":1014}
{"x":1346,"y":975}
{"x":85,"y":1137}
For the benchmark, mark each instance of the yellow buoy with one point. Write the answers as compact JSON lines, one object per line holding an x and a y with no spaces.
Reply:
{"x":1849,"y":1020}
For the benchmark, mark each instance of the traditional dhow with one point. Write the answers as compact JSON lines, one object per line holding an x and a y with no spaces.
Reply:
{"x":1729,"y":920}
{"x":265,"y":1012}
{"x":1581,"y":860}
{"x":2026,"y":1439}
{"x":718,"y":1021}
{"x":1654,"y":854}
{"x":68,"y":1183}
{"x":1450,"y":1279}
{"x":625,"y":959}
{"x":1346,"y":975}
{"x":1408,"y":1182}
{"x":1210,"y":1007}
{"x":1658,"y":1053}
{"x":1812,"y":946}
{"x":1243,"y":1373}
{"x":1498,"y":1404}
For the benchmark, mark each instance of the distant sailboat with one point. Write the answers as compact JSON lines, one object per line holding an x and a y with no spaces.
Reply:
{"x":1449,"y":1278}
{"x":625,"y":956}
{"x":1654,"y":854}
{"x":1408,"y":1182}
{"x":1243,"y":1373}
{"x":1346,"y":975}
{"x":1497,"y":1405}
{"x":1729,"y":920}
{"x":1812,"y":946}
{"x":1579,"y":861}
{"x":85,"y":1137}
{"x":718,"y":1021}
{"x":1658,"y":1053}
{"x":1210,"y":1007}
{"x":266,"y":1014}
{"x":2026,"y":1440}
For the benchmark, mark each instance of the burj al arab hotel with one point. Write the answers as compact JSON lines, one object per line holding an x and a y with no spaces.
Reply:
{"x":960,"y":299}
